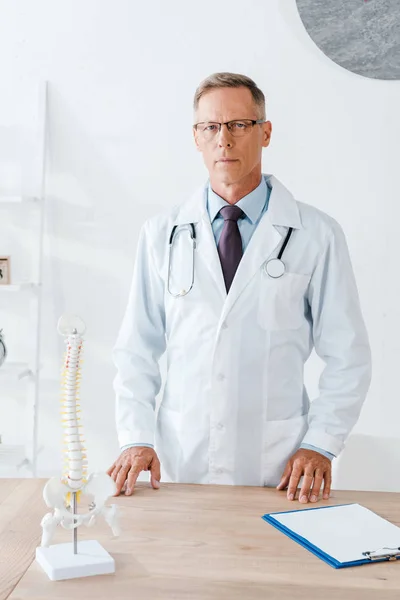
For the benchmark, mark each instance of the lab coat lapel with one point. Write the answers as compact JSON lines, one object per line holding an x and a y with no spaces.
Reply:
{"x":195,"y":211}
{"x":282,"y":212}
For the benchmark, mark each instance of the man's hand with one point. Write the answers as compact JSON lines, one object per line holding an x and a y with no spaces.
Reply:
{"x":130,"y":463}
{"x":315,"y":469}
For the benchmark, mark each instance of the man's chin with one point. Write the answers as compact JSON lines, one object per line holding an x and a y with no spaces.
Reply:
{"x":227,"y":176}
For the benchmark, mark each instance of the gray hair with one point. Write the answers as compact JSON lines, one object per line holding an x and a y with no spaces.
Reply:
{"x":232,"y":80}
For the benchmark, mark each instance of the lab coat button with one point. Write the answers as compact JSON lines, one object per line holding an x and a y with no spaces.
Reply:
{"x":220,"y":377}
{"x":224,"y":325}
{"x":220,"y":426}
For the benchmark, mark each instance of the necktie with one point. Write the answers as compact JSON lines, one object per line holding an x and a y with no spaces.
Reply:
{"x":230,"y":243}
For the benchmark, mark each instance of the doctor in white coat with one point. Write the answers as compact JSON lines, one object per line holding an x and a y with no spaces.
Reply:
{"x":235,"y":409}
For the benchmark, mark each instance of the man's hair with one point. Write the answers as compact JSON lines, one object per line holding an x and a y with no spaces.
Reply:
{"x":232,"y":80}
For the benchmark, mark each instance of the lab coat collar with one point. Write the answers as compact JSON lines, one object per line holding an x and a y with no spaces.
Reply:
{"x":282,"y":207}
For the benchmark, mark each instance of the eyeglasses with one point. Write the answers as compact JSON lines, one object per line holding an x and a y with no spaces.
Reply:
{"x":238,"y":128}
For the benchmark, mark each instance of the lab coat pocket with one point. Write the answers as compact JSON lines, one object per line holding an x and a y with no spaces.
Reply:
{"x":281,"y":440}
{"x":282,"y":301}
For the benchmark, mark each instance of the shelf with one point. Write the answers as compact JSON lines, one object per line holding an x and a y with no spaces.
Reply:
{"x":17,"y":370}
{"x":18,"y":287}
{"x":13,"y":200}
{"x":11,"y":456}
{"x":17,"y":201}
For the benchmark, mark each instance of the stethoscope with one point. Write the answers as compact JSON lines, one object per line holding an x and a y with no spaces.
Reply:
{"x":274,"y":267}
{"x":172,"y":238}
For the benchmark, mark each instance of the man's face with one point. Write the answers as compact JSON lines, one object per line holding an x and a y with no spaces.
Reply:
{"x":244,"y":153}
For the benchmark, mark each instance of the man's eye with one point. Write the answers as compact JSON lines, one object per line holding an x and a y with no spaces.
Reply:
{"x":239,"y":125}
{"x":211,"y":127}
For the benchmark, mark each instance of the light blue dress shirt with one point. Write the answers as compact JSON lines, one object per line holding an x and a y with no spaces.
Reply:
{"x":254,"y":205}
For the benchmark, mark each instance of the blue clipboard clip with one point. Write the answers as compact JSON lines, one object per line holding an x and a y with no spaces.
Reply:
{"x":390,"y":554}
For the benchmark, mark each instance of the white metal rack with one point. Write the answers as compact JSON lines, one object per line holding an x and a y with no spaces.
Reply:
{"x":11,"y":200}
{"x":26,"y":455}
{"x":18,"y":287}
{"x":16,"y":370}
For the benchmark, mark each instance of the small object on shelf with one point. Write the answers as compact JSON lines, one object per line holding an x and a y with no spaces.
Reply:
{"x":71,"y":560}
{"x":3,"y":348}
{"x":5,"y":276}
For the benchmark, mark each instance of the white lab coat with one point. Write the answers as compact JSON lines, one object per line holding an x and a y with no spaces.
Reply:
{"x":234,"y":407}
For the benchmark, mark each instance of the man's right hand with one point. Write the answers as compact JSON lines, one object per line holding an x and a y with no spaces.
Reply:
{"x":129,"y":465}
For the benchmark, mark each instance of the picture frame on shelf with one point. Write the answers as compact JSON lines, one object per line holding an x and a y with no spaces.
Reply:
{"x":5,"y":271}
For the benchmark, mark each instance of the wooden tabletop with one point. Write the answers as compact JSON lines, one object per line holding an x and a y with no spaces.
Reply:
{"x":192,"y":542}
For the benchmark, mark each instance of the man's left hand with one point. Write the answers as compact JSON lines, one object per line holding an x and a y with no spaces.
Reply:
{"x":315,"y":470}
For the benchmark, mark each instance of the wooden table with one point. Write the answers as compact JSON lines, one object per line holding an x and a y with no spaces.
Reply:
{"x":193,"y":542}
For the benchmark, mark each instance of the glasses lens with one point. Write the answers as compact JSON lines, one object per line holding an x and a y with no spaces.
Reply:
{"x":208,"y":130}
{"x":240,"y":128}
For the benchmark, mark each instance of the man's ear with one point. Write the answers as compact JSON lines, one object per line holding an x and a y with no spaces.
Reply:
{"x":267,"y":133}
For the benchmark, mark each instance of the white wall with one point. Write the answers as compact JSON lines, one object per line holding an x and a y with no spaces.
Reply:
{"x":122,"y":76}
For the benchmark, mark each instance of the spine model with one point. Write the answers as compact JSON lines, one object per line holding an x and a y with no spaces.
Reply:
{"x":65,"y":493}
{"x":75,"y":466}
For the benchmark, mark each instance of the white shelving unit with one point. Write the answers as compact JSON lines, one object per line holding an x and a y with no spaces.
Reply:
{"x":11,"y":200}
{"x":13,"y":456}
{"x":26,"y":455}
{"x":18,"y":287}
{"x":16,"y":371}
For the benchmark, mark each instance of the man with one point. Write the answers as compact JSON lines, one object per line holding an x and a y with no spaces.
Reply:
{"x":235,"y":409}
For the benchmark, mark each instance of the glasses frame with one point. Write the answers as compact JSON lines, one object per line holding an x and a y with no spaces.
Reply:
{"x":227,"y":123}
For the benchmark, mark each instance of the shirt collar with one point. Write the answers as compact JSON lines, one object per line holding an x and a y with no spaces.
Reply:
{"x":252,"y":204}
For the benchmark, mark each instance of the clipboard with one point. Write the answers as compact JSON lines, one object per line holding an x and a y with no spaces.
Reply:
{"x":345,"y":535}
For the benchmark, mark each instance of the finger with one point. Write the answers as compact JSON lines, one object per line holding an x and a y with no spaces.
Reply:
{"x":121,"y":477}
{"x":155,"y":473}
{"x":318,"y":479}
{"x":114,"y":472}
{"x":131,"y":479}
{"x":285,"y":477}
{"x":327,"y":484}
{"x":111,"y":469}
{"x":295,"y":477}
{"x":306,"y":486}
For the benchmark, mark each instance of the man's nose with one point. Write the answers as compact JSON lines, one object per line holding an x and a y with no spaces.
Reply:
{"x":224,"y":137}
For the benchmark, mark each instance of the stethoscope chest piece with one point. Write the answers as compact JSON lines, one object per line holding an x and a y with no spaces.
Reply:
{"x":275,"y":268}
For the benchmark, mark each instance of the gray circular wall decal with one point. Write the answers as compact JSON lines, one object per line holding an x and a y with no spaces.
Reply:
{"x":363,"y":36}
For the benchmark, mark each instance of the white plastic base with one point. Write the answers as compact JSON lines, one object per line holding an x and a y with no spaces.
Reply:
{"x":60,"y":562}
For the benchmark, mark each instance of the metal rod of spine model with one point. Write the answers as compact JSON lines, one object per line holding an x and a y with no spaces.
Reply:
{"x":75,"y":473}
